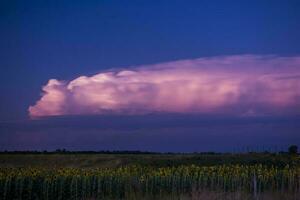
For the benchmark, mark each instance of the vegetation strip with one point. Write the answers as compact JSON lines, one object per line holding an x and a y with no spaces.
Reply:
{"x":132,"y":181}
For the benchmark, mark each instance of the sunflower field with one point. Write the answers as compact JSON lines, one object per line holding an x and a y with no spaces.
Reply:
{"x":131,"y":181}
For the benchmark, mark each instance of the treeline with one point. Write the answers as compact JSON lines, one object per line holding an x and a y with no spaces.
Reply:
{"x":64,"y":151}
{"x":293,"y":149}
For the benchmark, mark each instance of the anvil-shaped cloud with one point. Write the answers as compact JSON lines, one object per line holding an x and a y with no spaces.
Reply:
{"x":242,"y":85}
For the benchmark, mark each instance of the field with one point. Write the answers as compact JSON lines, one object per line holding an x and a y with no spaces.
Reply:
{"x":149,"y":176}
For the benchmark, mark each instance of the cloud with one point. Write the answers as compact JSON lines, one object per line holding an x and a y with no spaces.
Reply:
{"x":242,"y":85}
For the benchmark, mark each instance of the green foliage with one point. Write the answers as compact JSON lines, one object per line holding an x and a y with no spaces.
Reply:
{"x":127,"y":176}
{"x":133,"y":181}
{"x":293,"y":149}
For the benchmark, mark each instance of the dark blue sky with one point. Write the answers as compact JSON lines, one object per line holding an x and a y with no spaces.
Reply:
{"x":40,"y":40}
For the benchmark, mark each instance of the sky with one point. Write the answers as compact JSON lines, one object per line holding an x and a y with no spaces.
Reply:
{"x":149,"y":75}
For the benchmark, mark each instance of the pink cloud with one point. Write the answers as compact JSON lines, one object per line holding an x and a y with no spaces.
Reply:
{"x":239,"y":85}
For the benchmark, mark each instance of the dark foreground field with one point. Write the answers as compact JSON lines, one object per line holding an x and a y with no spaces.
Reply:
{"x":112,"y":160}
{"x":149,"y":176}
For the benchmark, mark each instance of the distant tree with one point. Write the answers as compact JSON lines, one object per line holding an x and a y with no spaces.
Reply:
{"x":293,"y":149}
{"x":58,"y":151}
